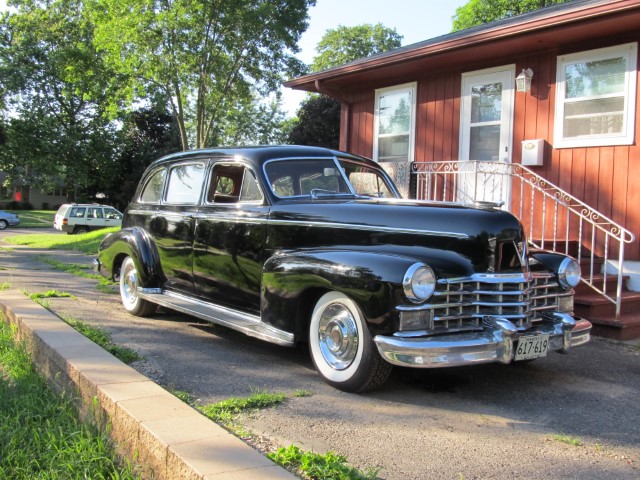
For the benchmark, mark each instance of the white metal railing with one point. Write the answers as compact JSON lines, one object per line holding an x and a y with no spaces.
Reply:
{"x":555,"y":220}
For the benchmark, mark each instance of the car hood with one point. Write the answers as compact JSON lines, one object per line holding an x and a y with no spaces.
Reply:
{"x":472,"y":238}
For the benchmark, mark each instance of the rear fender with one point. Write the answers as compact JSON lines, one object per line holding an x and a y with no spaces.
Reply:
{"x":372,"y":280}
{"x":136,"y":243}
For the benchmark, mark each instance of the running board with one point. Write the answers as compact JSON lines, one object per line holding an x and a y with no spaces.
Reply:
{"x":246,"y":323}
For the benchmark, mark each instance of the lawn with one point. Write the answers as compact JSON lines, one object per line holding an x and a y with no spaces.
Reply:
{"x":85,"y":242}
{"x":34,"y":218}
{"x":40,"y":433}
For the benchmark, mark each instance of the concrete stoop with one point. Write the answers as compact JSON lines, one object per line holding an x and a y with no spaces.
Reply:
{"x":148,"y":425}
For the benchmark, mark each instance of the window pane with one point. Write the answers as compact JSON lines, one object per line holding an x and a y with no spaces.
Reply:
{"x":152,"y":192}
{"x":77,"y":212}
{"x":395,"y":148}
{"x":185,"y":184}
{"x":486,"y":102}
{"x":485,"y":143}
{"x":395,"y":113}
{"x":250,"y":189}
{"x":590,"y":79}
{"x":594,"y":117}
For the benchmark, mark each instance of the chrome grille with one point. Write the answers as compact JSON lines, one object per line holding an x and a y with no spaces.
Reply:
{"x":462,"y":303}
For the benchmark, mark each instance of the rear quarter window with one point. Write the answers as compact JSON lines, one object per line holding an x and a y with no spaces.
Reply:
{"x":152,"y":191}
{"x":77,"y":212}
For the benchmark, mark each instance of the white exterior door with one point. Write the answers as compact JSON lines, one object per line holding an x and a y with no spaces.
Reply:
{"x":486,"y":133}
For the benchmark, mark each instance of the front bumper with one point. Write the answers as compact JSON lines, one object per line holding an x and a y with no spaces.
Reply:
{"x":495,"y":343}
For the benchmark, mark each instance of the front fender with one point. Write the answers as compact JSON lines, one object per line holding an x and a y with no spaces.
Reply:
{"x":372,"y":280}
{"x":136,"y":243}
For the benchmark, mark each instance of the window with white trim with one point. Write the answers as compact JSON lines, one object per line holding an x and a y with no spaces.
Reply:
{"x":395,"y":123}
{"x":596,"y":97}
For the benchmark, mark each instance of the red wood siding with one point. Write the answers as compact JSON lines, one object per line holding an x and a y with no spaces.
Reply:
{"x":605,"y":178}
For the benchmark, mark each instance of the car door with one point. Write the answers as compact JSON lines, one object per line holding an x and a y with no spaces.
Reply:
{"x":172,"y":224}
{"x":229,"y":238}
{"x":94,"y":217}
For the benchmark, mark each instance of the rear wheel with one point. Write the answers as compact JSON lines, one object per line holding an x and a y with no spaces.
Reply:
{"x":80,"y":229}
{"x":130,"y":291}
{"x":3,"y":224}
{"x":341,"y":347}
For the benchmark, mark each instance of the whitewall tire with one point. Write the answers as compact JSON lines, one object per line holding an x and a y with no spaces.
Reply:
{"x":341,"y":346}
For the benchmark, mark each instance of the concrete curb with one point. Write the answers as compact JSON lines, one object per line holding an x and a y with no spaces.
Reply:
{"x":149,"y":425}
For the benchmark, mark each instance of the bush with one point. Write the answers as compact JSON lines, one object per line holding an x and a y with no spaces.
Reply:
{"x":13,"y":205}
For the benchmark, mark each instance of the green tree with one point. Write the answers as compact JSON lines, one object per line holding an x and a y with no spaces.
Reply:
{"x":318,"y":118}
{"x":479,"y":12}
{"x":146,"y":135}
{"x":204,"y":56}
{"x":54,"y":86}
{"x":318,"y":123}
{"x":346,"y":44}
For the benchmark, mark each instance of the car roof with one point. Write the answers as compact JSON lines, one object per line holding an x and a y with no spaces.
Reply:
{"x":258,"y":155}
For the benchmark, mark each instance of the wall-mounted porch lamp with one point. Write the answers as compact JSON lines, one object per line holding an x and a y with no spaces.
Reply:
{"x":523,"y":81}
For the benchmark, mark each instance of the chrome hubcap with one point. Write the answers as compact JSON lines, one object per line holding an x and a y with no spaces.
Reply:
{"x":338,"y":336}
{"x":130,"y":285}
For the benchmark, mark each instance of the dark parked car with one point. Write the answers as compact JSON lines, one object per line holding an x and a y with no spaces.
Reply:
{"x":8,"y":220}
{"x":300,"y":244}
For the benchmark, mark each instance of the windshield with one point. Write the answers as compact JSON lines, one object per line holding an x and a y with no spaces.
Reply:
{"x":321,"y":177}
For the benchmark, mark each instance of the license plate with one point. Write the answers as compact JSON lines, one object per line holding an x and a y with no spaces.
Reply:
{"x":530,"y":347}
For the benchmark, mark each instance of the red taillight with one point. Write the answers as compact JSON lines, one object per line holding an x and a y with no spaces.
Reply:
{"x":65,"y":221}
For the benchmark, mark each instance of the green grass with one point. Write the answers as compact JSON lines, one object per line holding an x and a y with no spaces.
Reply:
{"x":328,"y":466}
{"x":40,"y":434}
{"x":80,"y":270}
{"x":94,"y":334}
{"x":103,"y":339}
{"x":308,"y":465}
{"x":35,"y":218}
{"x":50,"y":294}
{"x":568,"y":439}
{"x":85,"y":242}
{"x":226,"y":412}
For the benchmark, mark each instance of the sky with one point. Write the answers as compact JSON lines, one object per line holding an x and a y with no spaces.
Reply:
{"x":415,"y":20}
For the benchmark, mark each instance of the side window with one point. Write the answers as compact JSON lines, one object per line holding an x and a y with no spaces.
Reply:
{"x":94,"y":213}
{"x":226,"y":183}
{"x":112,"y":214}
{"x":77,"y":212}
{"x":152,"y":192}
{"x":250,"y":192}
{"x":185,"y":184}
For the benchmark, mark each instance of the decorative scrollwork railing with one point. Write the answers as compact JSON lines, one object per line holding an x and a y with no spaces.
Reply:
{"x":554,"y":219}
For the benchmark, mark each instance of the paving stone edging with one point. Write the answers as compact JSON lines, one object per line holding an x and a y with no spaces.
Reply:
{"x":171,"y":439}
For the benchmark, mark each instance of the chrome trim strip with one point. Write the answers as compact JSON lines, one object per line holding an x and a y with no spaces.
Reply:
{"x":243,"y":322}
{"x":347,"y":226}
{"x":369,"y":228}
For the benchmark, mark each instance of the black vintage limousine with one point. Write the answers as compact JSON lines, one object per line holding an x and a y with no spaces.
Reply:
{"x":302,"y":244}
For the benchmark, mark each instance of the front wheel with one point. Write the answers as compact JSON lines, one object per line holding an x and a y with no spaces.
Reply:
{"x":3,"y":224}
{"x":130,"y":291}
{"x":341,"y":347}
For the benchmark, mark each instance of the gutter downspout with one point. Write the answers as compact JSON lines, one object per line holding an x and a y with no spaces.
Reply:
{"x":345,"y":117}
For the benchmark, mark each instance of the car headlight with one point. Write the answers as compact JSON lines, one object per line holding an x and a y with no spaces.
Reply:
{"x":419,"y":282}
{"x":569,"y":273}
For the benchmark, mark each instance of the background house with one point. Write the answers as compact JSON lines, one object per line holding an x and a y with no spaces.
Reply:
{"x":453,"y":99}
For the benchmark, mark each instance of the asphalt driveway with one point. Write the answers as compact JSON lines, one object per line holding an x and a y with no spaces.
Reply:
{"x":566,"y":416}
